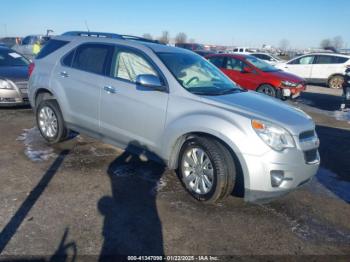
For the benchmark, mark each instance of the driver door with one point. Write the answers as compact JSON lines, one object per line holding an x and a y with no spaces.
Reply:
{"x":301,"y":66}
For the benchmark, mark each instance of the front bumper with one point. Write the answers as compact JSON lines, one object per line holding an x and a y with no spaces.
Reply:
{"x":292,"y":162}
{"x":13,"y":97}
{"x":292,"y":92}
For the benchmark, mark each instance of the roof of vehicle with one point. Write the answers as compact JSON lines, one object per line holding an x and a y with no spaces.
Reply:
{"x":260,"y":53}
{"x":326,"y":53}
{"x":136,"y":41}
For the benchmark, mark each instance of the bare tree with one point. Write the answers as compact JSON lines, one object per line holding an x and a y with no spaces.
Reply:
{"x":147,"y":36}
{"x":181,"y":38}
{"x":284,"y":44}
{"x":338,"y":42}
{"x":326,"y":43}
{"x":165,"y":38}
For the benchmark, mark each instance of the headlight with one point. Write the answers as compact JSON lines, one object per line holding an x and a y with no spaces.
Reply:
{"x":288,"y":83}
{"x":6,"y":84}
{"x":274,"y":136}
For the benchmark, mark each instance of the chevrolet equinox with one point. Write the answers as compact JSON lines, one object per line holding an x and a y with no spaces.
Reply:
{"x":176,"y":105}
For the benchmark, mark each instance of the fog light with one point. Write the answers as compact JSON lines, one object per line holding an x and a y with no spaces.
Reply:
{"x":286,"y":92}
{"x":277,"y":177}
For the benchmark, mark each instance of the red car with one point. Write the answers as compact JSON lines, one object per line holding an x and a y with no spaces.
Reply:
{"x":252,"y":73}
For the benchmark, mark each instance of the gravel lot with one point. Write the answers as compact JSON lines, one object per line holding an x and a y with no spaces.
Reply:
{"x":83,"y":197}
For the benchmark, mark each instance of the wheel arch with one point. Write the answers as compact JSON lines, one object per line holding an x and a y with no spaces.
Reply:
{"x":333,"y":75}
{"x":242,"y":175}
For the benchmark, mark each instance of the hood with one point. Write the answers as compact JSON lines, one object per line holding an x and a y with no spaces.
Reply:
{"x":14,"y":72}
{"x":282,"y":75}
{"x":259,"y":106}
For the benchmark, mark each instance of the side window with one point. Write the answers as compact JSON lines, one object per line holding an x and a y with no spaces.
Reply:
{"x":235,"y":50}
{"x":326,"y":59}
{"x":50,"y":47}
{"x":305,"y":60}
{"x":234,"y":64}
{"x":217,"y":61}
{"x":257,"y":56}
{"x":241,"y":50}
{"x":26,"y":40}
{"x":68,"y":59}
{"x":266,"y":57}
{"x":128,"y":65}
{"x":92,"y":58}
{"x":341,"y":60}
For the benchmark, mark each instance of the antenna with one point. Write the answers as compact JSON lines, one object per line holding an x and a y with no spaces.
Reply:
{"x":87,"y":27}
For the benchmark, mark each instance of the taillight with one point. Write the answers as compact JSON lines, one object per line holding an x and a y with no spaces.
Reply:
{"x":31,"y":68}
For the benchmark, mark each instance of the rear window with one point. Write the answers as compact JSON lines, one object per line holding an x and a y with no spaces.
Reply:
{"x":50,"y":47}
{"x":9,"y":57}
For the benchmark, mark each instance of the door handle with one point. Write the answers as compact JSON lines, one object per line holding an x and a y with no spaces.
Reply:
{"x":64,"y":74}
{"x":110,"y":89}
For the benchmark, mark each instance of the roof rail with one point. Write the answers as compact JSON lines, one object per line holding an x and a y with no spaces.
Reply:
{"x":109,"y":35}
{"x":94,"y":34}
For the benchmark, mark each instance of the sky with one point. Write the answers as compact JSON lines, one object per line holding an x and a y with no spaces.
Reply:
{"x":304,"y":23}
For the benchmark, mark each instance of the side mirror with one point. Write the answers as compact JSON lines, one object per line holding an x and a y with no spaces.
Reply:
{"x":150,"y":81}
{"x":247,"y":70}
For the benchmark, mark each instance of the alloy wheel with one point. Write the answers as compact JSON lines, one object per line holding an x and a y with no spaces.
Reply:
{"x":48,"y":122}
{"x":197,"y":170}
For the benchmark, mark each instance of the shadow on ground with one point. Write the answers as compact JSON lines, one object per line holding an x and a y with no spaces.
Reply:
{"x":335,"y":156}
{"x":131,"y":222}
{"x":321,"y":101}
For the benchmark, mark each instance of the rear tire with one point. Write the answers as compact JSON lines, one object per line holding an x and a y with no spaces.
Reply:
{"x":267,"y":90}
{"x":336,"y":82}
{"x":212,"y":177}
{"x":50,"y":121}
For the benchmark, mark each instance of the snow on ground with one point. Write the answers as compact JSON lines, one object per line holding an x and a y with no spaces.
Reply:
{"x":36,"y":149}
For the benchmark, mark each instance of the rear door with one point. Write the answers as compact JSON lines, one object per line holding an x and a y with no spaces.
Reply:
{"x":327,"y":65}
{"x":132,"y":114}
{"x":80,"y":77}
{"x":301,"y":66}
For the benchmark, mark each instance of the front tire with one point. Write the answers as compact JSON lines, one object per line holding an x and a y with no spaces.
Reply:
{"x":336,"y":82}
{"x":267,"y":90}
{"x":50,"y":121}
{"x":206,"y":169}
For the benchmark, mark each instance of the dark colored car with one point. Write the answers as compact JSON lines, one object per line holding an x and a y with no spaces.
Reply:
{"x":252,"y":73}
{"x":190,"y":46}
{"x":13,"y":78}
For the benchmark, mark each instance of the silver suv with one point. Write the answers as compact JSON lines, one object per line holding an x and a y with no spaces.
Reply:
{"x":176,"y":107}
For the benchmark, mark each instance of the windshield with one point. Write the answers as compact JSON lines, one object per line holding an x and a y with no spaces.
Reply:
{"x":276,"y":57}
{"x":260,"y":64}
{"x":11,"y":58}
{"x":197,"y":75}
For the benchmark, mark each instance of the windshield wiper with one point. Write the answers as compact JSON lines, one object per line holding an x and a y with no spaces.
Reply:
{"x":231,"y":91}
{"x":224,"y":92}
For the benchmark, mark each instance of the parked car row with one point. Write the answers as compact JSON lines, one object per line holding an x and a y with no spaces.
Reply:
{"x":254,"y":74}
